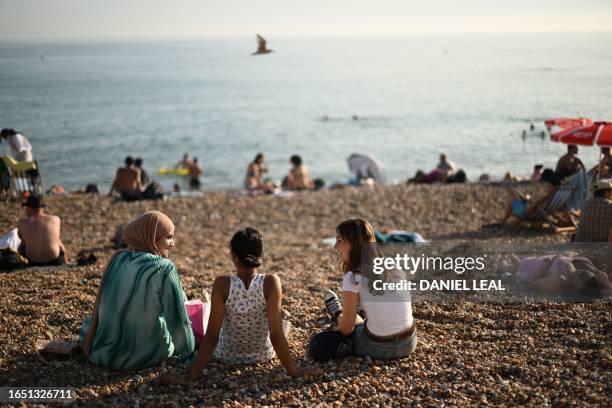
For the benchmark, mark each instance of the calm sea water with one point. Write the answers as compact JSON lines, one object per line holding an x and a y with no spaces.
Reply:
{"x":87,"y":105}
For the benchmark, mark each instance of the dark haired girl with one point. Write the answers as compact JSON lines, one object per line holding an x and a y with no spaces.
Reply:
{"x":246,"y":320}
{"x":389,"y":330}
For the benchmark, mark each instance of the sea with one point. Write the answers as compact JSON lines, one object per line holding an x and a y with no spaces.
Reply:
{"x":86,"y":105}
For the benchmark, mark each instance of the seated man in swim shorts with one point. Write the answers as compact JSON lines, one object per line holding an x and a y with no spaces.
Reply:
{"x":40,"y":235}
{"x":127,"y":181}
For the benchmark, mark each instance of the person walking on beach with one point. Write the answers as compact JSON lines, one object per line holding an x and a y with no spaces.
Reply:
{"x":127,"y":181}
{"x":298,"y":178}
{"x":254,"y":175}
{"x":40,"y":233}
{"x":389,"y":331}
{"x":139,"y":318}
{"x":20,"y":147}
{"x":195,"y":171}
{"x":569,"y":163}
{"x":246,"y":323}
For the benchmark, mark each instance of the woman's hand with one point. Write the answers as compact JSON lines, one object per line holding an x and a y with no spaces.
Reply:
{"x":308,"y":372}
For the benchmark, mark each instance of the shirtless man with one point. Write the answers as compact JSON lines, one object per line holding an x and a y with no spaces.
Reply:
{"x":127,"y":181}
{"x":298,"y":178}
{"x":195,"y":171}
{"x":40,"y":235}
{"x":569,"y":163}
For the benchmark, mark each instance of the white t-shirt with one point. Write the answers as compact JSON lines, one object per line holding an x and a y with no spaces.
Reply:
{"x":22,"y":149}
{"x":387,"y":313}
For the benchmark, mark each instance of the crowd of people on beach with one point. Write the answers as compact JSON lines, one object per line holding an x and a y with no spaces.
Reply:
{"x":592,"y":211}
{"x":141,"y":297}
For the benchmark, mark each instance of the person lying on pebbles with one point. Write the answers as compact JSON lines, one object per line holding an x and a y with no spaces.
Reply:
{"x":139,"y":318}
{"x":246,"y":319}
{"x":389,"y":331}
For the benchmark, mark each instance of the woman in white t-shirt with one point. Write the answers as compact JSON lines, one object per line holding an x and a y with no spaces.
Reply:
{"x":389,"y":330}
{"x":20,"y":147}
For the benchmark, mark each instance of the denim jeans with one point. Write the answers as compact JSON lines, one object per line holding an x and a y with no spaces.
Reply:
{"x":364,"y":346}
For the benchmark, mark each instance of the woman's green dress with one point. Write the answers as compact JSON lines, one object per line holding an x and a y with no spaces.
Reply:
{"x":142,"y":319}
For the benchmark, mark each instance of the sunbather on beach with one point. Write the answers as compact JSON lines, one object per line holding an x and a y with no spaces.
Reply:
{"x":444,"y":169}
{"x":41,"y":243}
{"x":389,"y":331}
{"x":144,"y":177}
{"x":517,"y":201}
{"x":254,"y":176}
{"x":564,"y":274}
{"x":20,"y":147}
{"x":596,"y":217}
{"x":527,"y":208}
{"x":569,"y":163}
{"x":298,"y":178}
{"x":246,"y":319}
{"x":127,"y":181}
{"x":139,"y":318}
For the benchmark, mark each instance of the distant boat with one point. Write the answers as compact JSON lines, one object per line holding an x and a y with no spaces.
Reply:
{"x":261,"y":46}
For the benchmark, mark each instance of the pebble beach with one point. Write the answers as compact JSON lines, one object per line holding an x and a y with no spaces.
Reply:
{"x":522,"y":354}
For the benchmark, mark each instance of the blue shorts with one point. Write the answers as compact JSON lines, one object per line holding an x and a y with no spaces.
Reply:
{"x":519,"y":207}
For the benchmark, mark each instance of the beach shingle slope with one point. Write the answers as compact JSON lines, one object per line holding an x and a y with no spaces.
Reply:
{"x":525,"y":354}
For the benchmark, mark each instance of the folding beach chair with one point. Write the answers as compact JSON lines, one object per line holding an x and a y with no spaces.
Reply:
{"x":24,"y":176}
{"x":555,"y":216}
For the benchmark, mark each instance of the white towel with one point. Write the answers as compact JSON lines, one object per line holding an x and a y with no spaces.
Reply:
{"x":10,"y":240}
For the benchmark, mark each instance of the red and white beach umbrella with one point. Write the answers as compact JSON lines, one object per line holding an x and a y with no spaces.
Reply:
{"x":596,"y":133}
{"x":567,"y":123}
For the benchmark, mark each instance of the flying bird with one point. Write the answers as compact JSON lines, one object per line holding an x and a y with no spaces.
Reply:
{"x":261,"y":46}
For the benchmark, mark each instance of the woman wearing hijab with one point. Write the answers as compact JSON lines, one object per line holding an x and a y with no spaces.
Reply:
{"x":139,"y":318}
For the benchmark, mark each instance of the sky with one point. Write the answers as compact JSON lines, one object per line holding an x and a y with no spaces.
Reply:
{"x":148,"y":19}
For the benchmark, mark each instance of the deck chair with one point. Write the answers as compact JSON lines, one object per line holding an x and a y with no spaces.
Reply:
{"x":24,"y":176}
{"x":555,"y":216}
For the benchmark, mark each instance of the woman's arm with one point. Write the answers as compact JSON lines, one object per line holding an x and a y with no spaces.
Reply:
{"x":220,"y":292}
{"x":346,"y":320}
{"x":175,"y":314}
{"x":274,"y":298}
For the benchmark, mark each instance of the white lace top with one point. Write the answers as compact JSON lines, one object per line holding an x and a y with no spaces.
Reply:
{"x":245,"y":333}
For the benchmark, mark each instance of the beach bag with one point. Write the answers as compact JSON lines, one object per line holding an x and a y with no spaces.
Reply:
{"x":10,"y":260}
{"x":198,"y":312}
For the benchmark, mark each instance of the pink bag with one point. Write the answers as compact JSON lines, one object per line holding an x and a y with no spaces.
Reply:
{"x":198,"y":312}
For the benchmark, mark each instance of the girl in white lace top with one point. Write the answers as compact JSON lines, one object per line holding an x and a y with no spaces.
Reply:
{"x":246,"y":317}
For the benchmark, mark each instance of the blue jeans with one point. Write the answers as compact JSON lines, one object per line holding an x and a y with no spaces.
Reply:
{"x":364,"y":346}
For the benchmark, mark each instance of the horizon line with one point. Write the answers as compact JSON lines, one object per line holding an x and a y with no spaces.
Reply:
{"x":6,"y":40}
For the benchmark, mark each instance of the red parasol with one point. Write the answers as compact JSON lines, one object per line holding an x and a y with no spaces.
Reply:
{"x":567,"y":123}
{"x":595,"y":133}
